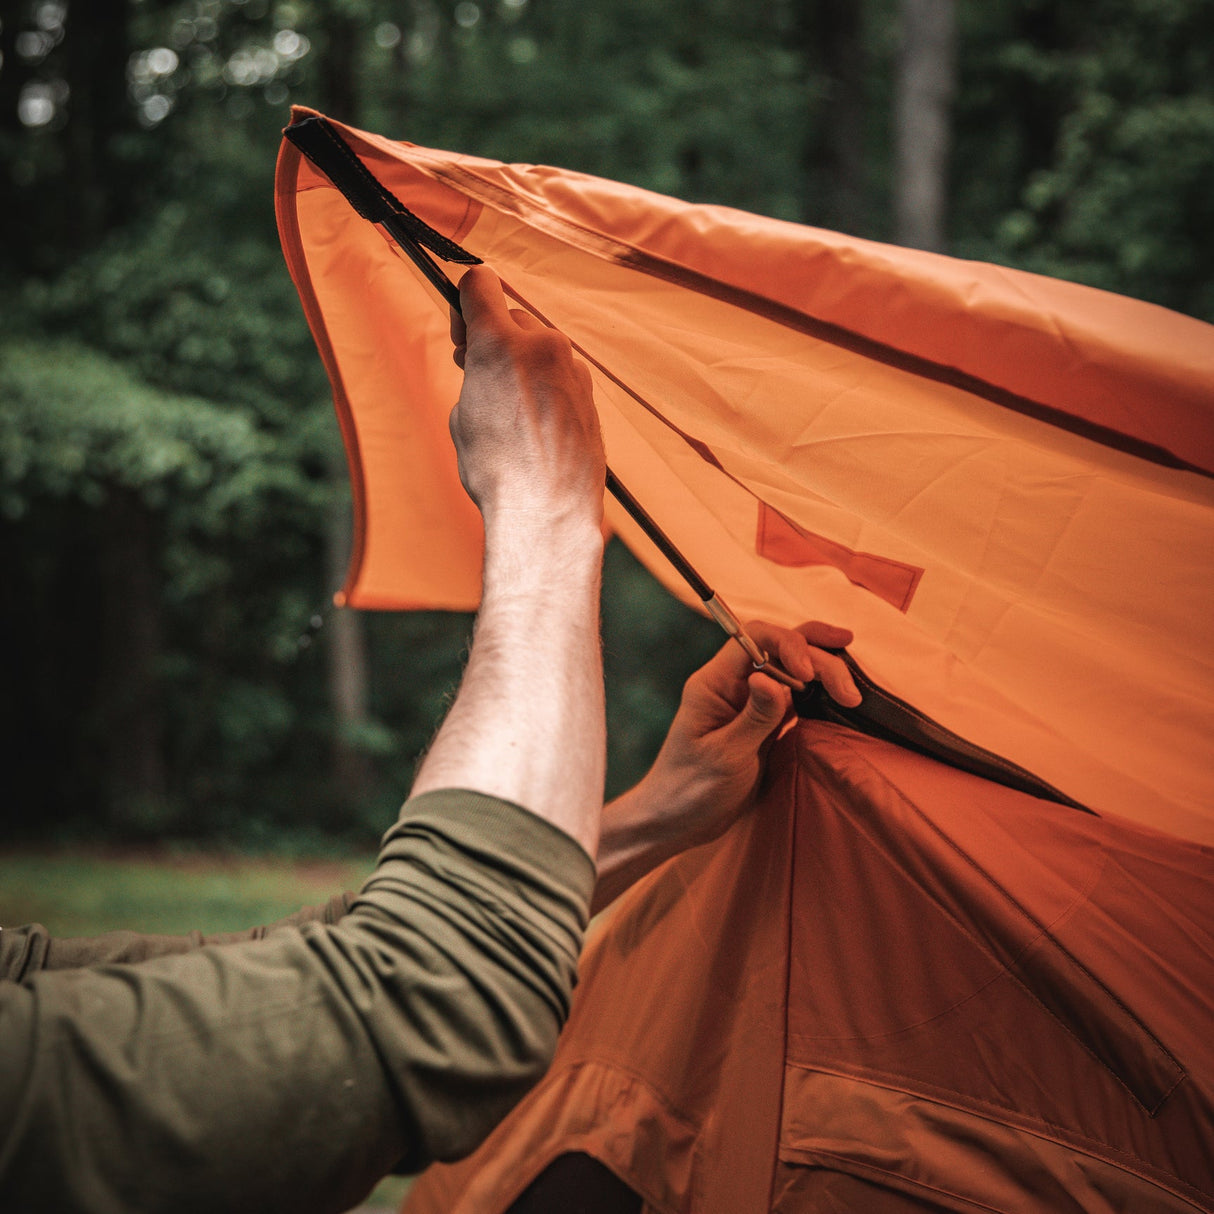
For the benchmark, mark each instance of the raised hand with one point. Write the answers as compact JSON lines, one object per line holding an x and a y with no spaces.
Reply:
{"x":711,"y":763}
{"x":525,"y":428}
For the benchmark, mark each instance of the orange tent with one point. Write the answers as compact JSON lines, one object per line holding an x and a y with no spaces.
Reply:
{"x":1002,"y":484}
{"x":893,"y":988}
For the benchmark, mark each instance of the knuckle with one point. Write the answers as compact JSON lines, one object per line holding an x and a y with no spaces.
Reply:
{"x":553,"y":345}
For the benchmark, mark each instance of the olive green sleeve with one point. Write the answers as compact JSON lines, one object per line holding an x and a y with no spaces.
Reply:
{"x":292,"y":1072}
{"x":25,"y":950}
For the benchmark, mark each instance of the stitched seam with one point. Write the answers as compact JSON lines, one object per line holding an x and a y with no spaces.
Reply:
{"x":857,"y":1168}
{"x":827,"y":331}
{"x":1020,"y":1122}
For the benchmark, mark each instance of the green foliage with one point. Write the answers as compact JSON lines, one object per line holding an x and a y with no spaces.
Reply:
{"x":194,"y":313}
{"x":1102,"y":171}
{"x":76,"y":422}
{"x":237,"y":513}
{"x":698,"y":100}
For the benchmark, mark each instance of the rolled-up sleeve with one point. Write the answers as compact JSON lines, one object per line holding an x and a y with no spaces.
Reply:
{"x":292,"y":1072}
{"x":27,"y":949}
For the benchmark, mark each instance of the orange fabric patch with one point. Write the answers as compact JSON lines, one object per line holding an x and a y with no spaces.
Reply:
{"x":779,"y":539}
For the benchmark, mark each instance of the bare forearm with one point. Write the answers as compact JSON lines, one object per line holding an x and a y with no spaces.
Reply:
{"x":527,"y":725}
{"x":627,"y":852}
{"x":641,"y":829}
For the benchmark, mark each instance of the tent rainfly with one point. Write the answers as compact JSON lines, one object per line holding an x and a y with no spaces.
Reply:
{"x":899,"y":986}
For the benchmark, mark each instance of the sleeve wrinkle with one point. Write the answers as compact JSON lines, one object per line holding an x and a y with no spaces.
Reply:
{"x":400,"y":1031}
{"x":496,"y":932}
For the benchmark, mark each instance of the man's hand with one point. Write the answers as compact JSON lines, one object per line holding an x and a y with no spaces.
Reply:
{"x":525,"y":428}
{"x":711,"y":763}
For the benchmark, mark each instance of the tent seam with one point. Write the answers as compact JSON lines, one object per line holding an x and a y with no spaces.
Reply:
{"x":629,"y":256}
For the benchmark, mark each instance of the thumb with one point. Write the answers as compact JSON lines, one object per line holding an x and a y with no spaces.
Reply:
{"x":767,"y":704}
{"x":483,"y":302}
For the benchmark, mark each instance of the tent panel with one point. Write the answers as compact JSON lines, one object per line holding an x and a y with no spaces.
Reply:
{"x":975,"y":981}
{"x":977,"y":919}
{"x":669,"y":1069}
{"x":1015,"y":536}
{"x":421,"y":537}
{"x":1083,"y":354}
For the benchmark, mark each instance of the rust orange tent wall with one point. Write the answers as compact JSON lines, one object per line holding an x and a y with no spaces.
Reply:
{"x":894,"y":988}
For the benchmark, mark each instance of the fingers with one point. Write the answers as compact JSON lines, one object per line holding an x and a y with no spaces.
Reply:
{"x":834,"y":675}
{"x":484,"y":308}
{"x":525,"y":320}
{"x":767,"y":704}
{"x":724,"y":676}
{"x":525,"y":428}
{"x":459,"y":330}
{"x":832,"y":670}
{"x":830,"y":636}
{"x":728,"y":677}
{"x":803,"y":653}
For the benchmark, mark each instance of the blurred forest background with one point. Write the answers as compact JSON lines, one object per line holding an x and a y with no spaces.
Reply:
{"x":173,"y":498}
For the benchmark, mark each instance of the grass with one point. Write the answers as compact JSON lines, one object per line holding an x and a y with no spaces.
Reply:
{"x":81,"y":892}
{"x":84,"y":892}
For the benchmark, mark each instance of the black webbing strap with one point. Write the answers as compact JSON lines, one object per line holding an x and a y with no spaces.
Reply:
{"x":319,"y":141}
{"x":881,"y":714}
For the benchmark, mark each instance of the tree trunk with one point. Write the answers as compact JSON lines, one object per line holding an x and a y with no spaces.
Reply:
{"x":346,"y":653}
{"x":13,"y":197}
{"x":13,"y":76}
{"x":346,"y":650}
{"x":339,"y":72}
{"x":926,"y":81}
{"x":99,"y":186}
{"x":129,"y":712}
{"x":830,"y":35}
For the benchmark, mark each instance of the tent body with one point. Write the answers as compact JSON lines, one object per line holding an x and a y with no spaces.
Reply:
{"x":893,"y":988}
{"x":896,"y":986}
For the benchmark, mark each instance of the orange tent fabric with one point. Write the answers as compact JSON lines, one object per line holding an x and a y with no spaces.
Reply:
{"x":896,"y":986}
{"x":1000,"y":482}
{"x":893,"y":988}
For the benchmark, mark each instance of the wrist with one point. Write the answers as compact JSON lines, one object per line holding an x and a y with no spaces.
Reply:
{"x":525,"y":549}
{"x":544,"y":521}
{"x":644,"y":819}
